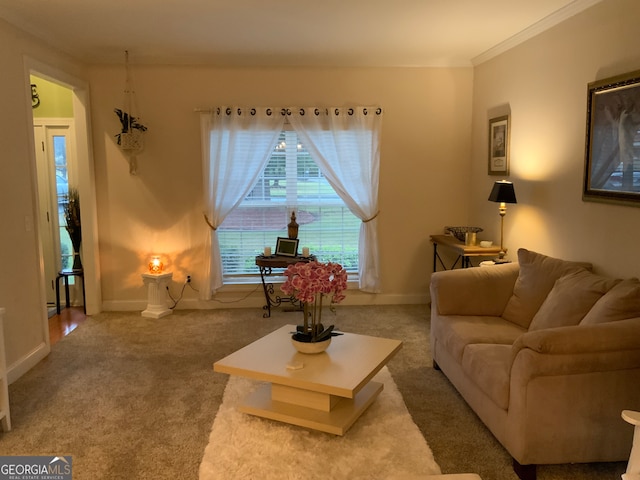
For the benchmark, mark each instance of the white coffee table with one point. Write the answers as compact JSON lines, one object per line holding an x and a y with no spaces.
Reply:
{"x":330,"y":390}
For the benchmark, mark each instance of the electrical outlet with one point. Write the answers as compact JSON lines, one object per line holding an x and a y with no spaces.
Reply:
{"x":188,"y":278}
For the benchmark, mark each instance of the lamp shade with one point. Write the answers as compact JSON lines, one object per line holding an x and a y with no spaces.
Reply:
{"x":155,"y":265}
{"x":503,"y":192}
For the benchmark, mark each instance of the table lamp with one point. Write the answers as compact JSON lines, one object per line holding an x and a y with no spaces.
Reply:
{"x":502,"y":193}
{"x":155,"y":265}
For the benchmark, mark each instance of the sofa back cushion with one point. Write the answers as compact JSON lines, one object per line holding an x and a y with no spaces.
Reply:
{"x":538,"y":274}
{"x":570,"y":299}
{"x":619,"y":303}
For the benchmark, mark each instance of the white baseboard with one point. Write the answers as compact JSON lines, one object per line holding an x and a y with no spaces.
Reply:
{"x":236,"y":299}
{"x":27,"y":362}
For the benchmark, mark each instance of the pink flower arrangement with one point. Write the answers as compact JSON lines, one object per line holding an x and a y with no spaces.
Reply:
{"x":306,"y":280}
{"x":309,"y":283}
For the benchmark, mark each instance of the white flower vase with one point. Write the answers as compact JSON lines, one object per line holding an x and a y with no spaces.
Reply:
{"x":311,"y":347}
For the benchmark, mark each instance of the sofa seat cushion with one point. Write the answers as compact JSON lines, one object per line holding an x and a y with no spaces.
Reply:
{"x":619,"y":303}
{"x":570,"y":299}
{"x":489,"y":366}
{"x":455,"y":332}
{"x":538,"y":274}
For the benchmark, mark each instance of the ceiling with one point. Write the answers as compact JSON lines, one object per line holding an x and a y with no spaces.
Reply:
{"x":288,"y":32}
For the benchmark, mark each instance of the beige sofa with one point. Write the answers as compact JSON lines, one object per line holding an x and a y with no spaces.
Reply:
{"x":545,"y":352}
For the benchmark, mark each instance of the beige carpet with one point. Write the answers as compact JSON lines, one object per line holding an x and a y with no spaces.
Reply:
{"x":383,"y":443}
{"x":134,"y":398}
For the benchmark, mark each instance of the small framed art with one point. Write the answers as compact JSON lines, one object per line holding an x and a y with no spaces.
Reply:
{"x":287,"y":247}
{"x":612,"y":165}
{"x":499,"y":145}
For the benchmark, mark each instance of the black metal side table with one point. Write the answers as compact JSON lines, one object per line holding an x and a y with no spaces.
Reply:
{"x":266,"y":264}
{"x":65,"y":274}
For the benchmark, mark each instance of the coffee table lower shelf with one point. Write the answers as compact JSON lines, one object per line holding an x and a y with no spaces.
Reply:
{"x":336,"y":419}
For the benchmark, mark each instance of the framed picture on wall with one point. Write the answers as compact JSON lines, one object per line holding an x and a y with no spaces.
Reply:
{"x":612,"y":153}
{"x":499,"y":145}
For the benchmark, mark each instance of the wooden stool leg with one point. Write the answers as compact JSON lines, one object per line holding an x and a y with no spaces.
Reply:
{"x":66,"y":291}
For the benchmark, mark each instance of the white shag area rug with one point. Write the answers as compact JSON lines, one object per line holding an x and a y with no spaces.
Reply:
{"x":384,"y":443}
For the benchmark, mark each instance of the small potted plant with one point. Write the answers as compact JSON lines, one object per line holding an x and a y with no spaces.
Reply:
{"x":130,"y":136}
{"x":310,"y":283}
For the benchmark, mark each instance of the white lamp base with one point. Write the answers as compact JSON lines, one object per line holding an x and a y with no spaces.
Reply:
{"x":157,"y":294}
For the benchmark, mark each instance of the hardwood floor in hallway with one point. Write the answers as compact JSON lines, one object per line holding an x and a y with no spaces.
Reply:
{"x":65,"y":323}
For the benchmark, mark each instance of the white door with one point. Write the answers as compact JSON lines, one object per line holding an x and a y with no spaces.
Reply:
{"x":53,"y":141}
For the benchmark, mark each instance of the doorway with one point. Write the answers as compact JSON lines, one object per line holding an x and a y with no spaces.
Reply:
{"x":63,"y":159}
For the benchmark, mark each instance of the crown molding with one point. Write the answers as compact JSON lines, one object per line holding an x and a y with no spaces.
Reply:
{"x":537,"y":28}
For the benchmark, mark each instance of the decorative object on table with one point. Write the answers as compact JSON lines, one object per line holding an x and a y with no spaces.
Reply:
{"x":130,"y":138}
{"x":287,"y":247}
{"x":486,"y":243}
{"x":310,"y":282}
{"x":461,"y":232}
{"x":611,"y":174}
{"x":292,"y":228}
{"x":470,"y":239}
{"x":72,"y":224}
{"x":267,"y":251}
{"x":499,"y":145}
{"x":155,"y":265}
{"x":502,"y":193}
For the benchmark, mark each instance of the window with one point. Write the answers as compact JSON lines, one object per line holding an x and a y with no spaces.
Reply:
{"x":291,"y":181}
{"x":62,"y":192}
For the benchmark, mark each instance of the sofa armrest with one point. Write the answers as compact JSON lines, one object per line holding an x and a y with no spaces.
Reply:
{"x":473,"y":291}
{"x":602,"y":337}
{"x":604,"y":347}
{"x":567,"y":387}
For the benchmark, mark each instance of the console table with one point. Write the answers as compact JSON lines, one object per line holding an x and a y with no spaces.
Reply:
{"x":464,"y":252}
{"x":266,"y":264}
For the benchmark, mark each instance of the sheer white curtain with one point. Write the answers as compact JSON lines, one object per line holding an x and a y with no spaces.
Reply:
{"x":236,"y":145}
{"x":345,"y":143}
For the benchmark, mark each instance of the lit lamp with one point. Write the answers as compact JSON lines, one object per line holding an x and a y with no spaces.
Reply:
{"x":157,"y":283}
{"x":155,"y":265}
{"x":502,"y":193}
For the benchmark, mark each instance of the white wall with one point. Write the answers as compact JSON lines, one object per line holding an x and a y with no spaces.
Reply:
{"x":543,"y":83}
{"x":424,"y":158}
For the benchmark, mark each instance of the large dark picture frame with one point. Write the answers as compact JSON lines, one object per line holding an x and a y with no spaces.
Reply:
{"x":287,"y":247}
{"x":612,"y":153}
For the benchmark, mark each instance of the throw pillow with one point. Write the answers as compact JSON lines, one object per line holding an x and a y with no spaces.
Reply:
{"x":538,"y":274}
{"x":570,"y":299}
{"x":619,"y":303}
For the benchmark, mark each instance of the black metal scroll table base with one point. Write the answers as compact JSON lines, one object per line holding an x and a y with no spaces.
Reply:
{"x":266,"y":264}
